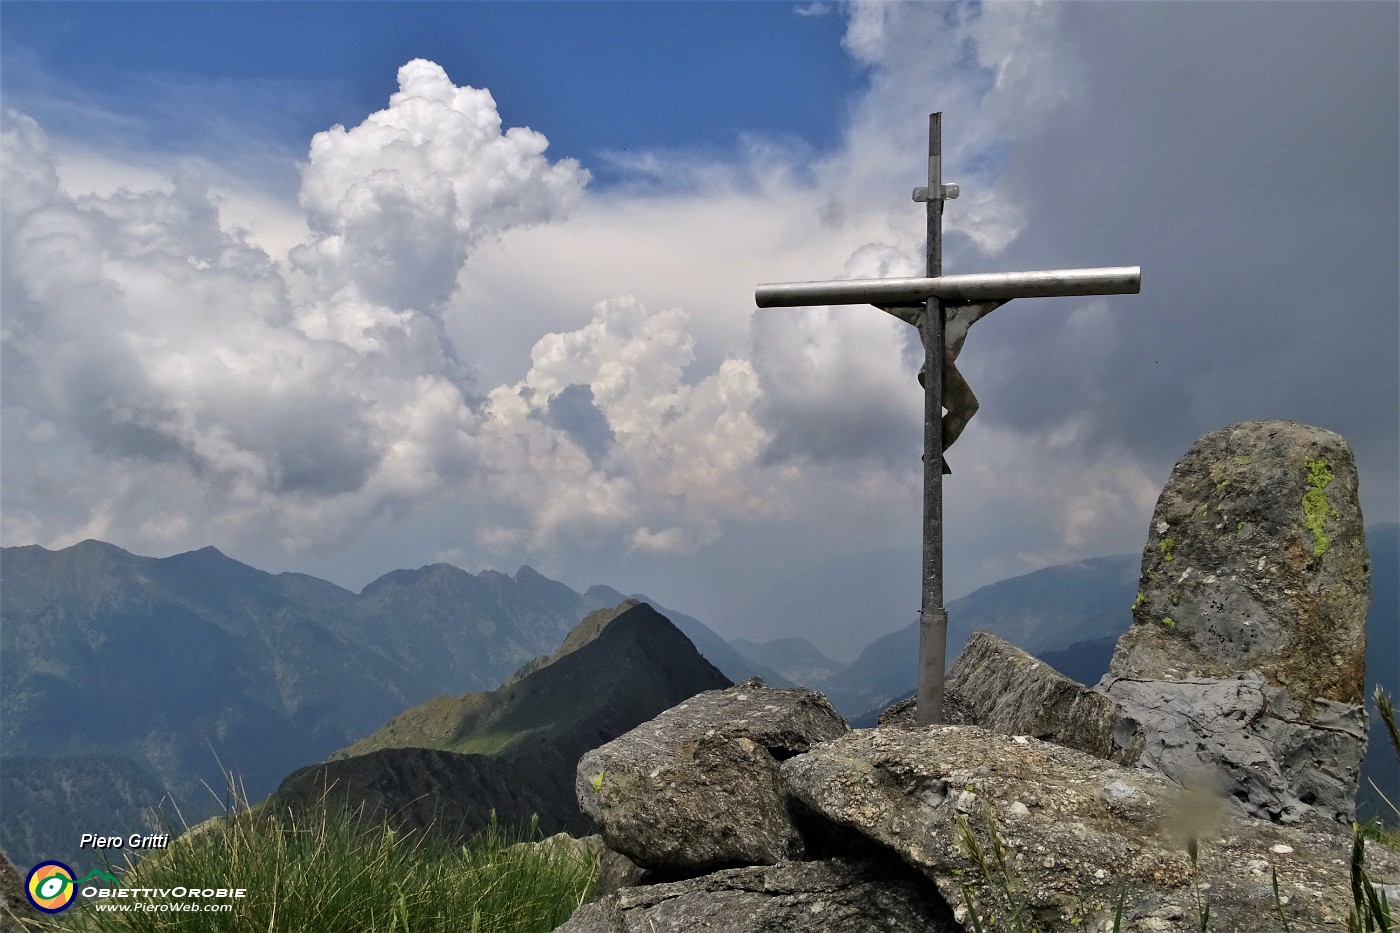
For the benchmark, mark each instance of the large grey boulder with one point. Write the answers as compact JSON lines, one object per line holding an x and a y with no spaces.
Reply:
{"x":1245,"y":662}
{"x":1256,"y":560}
{"x":697,"y":787}
{"x":1010,"y":691}
{"x":1075,"y":831}
{"x":829,"y":896}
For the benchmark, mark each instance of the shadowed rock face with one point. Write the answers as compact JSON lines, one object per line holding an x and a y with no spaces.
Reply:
{"x":1256,"y":560}
{"x":837,"y":895}
{"x":451,"y":794}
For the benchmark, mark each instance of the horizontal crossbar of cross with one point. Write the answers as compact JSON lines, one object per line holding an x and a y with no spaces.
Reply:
{"x":952,"y":289}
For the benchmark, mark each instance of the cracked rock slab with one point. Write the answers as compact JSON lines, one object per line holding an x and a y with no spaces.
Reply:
{"x":1075,"y":832}
{"x":1247,"y":739}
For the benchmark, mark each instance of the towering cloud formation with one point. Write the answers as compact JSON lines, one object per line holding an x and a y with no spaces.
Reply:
{"x":182,"y":365}
{"x":397,"y":202}
{"x":838,"y":383}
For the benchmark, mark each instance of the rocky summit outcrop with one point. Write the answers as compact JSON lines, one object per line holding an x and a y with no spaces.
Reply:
{"x":1243,"y":669}
{"x":1239,"y":736}
{"x":1245,"y":662}
{"x":1211,"y":772}
{"x":1002,"y":688}
{"x":1070,"y":833}
{"x":973,"y":813}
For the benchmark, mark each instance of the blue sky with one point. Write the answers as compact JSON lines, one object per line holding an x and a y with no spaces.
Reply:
{"x":344,"y":288}
{"x":604,"y":77}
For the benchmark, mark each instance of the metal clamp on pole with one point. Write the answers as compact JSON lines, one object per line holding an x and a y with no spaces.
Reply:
{"x":950,"y":193}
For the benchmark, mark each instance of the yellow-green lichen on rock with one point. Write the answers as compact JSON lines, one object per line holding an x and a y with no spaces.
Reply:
{"x":1316,"y":508}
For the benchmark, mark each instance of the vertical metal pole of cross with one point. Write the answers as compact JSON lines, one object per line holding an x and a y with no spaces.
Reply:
{"x":933,"y":619}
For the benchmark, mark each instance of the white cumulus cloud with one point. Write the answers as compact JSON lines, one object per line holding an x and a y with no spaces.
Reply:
{"x":396,"y":203}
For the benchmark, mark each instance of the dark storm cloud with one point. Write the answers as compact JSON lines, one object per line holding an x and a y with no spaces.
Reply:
{"x":1253,"y":175}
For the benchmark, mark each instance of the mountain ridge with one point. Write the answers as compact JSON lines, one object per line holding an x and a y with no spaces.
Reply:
{"x":612,"y":664}
{"x":214,"y":665}
{"x":511,"y":753}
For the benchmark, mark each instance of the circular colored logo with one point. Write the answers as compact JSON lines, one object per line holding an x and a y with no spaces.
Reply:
{"x":50,"y":886}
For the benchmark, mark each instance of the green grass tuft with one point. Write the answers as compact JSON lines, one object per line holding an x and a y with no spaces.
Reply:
{"x":332,"y":872}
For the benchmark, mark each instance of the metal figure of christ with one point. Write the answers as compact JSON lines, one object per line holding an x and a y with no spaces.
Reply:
{"x":958,"y":399}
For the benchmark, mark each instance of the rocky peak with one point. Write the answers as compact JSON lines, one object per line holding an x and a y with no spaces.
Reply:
{"x":588,"y":630}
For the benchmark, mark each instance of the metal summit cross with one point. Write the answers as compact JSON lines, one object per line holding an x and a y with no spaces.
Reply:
{"x":943,"y":308}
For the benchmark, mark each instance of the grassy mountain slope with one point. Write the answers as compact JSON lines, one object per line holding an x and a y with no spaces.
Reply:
{"x":451,"y":762}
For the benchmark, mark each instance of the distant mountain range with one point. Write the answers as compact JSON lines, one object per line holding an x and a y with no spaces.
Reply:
{"x":128,"y":679}
{"x":796,"y":659}
{"x":1050,"y":608}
